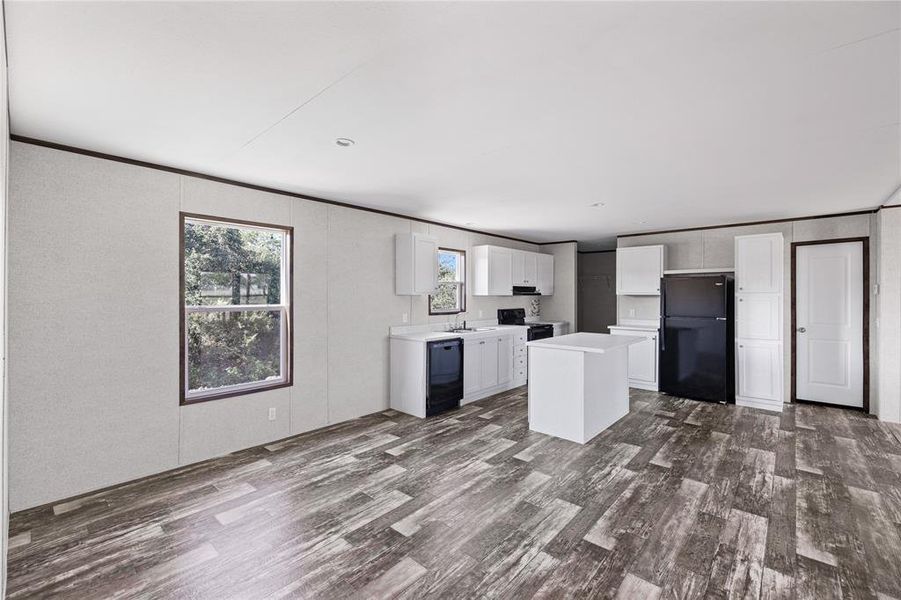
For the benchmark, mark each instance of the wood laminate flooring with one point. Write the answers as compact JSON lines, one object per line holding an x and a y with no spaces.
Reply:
{"x":680,"y":499}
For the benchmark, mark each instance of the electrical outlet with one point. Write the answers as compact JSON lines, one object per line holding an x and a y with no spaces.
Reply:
{"x":272,"y":414}
{"x":405,"y":317}
{"x":480,"y":314}
{"x":631,"y":312}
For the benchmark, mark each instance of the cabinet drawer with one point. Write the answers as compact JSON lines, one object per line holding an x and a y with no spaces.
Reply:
{"x":519,"y":362}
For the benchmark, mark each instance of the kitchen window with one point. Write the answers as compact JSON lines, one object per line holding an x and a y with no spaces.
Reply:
{"x":236,"y":325}
{"x":450,"y":296}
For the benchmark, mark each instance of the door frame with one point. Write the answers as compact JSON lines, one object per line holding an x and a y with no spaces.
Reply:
{"x":865,"y":241}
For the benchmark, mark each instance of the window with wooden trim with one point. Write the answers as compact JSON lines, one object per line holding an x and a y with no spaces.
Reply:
{"x":236,"y":325}
{"x":450,"y":296}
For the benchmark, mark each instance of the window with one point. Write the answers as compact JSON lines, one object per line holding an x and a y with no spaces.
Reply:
{"x":450,"y":297}
{"x":236,"y":309}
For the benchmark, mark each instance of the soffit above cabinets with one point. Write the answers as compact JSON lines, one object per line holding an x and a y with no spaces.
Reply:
{"x":512,"y":118}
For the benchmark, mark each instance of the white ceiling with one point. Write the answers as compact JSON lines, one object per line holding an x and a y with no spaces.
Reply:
{"x":511,"y":117}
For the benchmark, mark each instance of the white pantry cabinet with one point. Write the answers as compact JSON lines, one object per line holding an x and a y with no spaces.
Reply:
{"x":759,"y":371}
{"x":758,"y":263}
{"x":639,"y":269}
{"x":642,"y":358}
{"x":492,"y":271}
{"x":758,"y":314}
{"x":415,"y":264}
{"x":545,"y":265}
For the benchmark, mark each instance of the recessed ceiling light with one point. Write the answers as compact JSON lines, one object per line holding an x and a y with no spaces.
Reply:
{"x":345,"y":142}
{"x":470,"y":224}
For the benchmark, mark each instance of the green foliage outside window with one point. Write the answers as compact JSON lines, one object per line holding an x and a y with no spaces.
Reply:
{"x":449,"y":297}
{"x":232,"y":265}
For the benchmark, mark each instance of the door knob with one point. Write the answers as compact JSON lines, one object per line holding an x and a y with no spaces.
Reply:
{"x":802,"y":329}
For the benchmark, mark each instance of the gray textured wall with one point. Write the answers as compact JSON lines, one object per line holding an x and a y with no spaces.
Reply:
{"x":93,"y":369}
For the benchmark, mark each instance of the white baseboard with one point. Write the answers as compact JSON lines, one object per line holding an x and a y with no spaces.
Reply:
{"x":774,"y":405}
{"x":651,"y":387}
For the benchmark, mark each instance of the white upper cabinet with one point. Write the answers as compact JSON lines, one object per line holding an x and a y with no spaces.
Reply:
{"x":638,"y":270}
{"x":545,"y":263}
{"x":492,"y":271}
{"x":497,"y":269}
{"x":415,"y":264}
{"x":525,"y":268}
{"x":519,"y":267}
{"x":758,"y":263}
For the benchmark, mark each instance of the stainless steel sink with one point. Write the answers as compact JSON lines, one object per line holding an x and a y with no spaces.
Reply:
{"x":484,"y":328}
{"x":462,"y":330}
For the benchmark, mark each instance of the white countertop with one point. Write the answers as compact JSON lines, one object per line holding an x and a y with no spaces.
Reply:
{"x":429,"y":336}
{"x":587,"y":342}
{"x":643,"y":327}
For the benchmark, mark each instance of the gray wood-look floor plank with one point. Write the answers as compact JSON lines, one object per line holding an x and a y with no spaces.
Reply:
{"x":679,"y":499}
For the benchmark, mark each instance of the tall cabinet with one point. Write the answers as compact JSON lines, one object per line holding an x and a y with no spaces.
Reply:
{"x":759,"y":346}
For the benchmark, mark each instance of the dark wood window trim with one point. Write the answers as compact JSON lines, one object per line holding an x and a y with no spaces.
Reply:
{"x":462,"y":287}
{"x":289,"y":356}
{"x":866,"y":317}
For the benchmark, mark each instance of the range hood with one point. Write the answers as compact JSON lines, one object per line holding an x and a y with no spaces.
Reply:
{"x":525,"y":290}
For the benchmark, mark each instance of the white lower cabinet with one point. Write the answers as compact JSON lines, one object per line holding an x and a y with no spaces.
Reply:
{"x":759,"y":372}
{"x":488,"y":365}
{"x":642,"y":358}
{"x":472,"y":367}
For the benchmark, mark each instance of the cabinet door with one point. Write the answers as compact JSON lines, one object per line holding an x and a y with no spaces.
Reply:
{"x":472,"y":367}
{"x":489,"y":362}
{"x":530,"y":271}
{"x":638,"y":270}
{"x":518,"y":261}
{"x":760,"y":370}
{"x":545,"y":266}
{"x":643,"y":360}
{"x":758,"y":263}
{"x":504,"y":359}
{"x":758,"y":316}
{"x":425,"y":260}
{"x":500,"y":272}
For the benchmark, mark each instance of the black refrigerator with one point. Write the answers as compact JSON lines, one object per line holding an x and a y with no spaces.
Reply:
{"x":697,"y":337}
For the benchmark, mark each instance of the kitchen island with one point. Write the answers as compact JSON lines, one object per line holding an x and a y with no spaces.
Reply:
{"x":578,"y":384}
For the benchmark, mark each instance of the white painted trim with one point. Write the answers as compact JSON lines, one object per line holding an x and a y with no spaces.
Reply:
{"x":773,"y":405}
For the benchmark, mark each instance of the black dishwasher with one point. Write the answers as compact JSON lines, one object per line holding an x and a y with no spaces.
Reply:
{"x":445,"y":371}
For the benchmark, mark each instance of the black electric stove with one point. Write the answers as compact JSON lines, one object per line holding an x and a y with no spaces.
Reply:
{"x":517,"y":316}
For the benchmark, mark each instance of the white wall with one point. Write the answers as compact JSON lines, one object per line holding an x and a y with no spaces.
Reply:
{"x":94,"y":321}
{"x":715,"y":248}
{"x":563,"y":305}
{"x":888,"y":312}
{"x":4,"y":413}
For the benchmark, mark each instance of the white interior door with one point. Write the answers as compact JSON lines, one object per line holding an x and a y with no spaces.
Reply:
{"x":829,"y":323}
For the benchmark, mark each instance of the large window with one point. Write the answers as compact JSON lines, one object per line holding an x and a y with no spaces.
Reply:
{"x":236,"y":307}
{"x":450,"y":297}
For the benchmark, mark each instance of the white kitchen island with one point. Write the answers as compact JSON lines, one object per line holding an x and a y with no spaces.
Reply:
{"x":578,"y":384}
